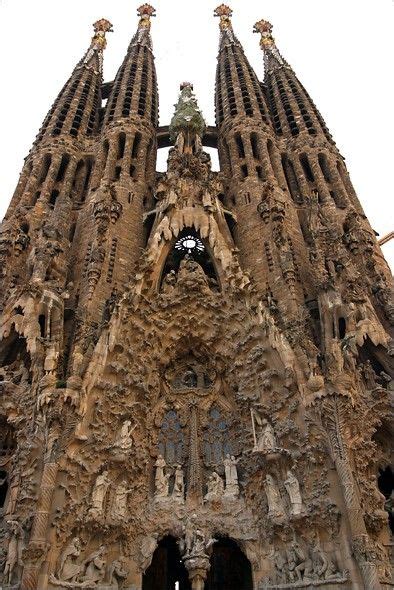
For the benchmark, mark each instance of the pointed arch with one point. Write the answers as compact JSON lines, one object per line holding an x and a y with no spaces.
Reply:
{"x":189,"y":243}
{"x":230,"y":568}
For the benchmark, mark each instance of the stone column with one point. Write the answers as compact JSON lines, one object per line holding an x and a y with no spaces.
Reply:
{"x":194,"y":488}
{"x":37,"y":547}
{"x":198,"y":568}
{"x":333,"y":410}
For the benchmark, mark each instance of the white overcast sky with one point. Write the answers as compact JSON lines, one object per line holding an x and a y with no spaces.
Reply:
{"x":342,"y":51}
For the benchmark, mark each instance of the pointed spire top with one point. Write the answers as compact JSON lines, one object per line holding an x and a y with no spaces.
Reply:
{"x":145,"y":12}
{"x":97,"y":45}
{"x":142,"y":36}
{"x":267,"y":42}
{"x":187,"y":124}
{"x":101,"y":27}
{"x":225,"y":13}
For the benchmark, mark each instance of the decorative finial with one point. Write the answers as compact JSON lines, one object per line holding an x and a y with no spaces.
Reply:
{"x":224,"y":12}
{"x":265,"y":29}
{"x":267,"y":42}
{"x":101,"y":27}
{"x":145,"y":12}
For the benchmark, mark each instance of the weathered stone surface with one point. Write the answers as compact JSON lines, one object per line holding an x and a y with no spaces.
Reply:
{"x":194,"y":365}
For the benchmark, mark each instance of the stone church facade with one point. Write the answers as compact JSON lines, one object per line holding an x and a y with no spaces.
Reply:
{"x":195,"y":384}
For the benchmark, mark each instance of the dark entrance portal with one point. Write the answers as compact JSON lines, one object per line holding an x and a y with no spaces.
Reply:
{"x":230,"y":568}
{"x":166,"y":572}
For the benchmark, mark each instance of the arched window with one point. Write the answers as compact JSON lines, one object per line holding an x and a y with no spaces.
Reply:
{"x":216,"y":440}
{"x":190,"y":244}
{"x":171,"y":439}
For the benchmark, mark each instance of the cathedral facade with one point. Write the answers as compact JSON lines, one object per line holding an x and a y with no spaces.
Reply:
{"x":196,"y":365}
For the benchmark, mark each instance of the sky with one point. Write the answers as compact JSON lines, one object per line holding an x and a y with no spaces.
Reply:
{"x":341,"y":51}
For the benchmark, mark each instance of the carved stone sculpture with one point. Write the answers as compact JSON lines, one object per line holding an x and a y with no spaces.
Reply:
{"x":161,"y":478}
{"x":275,"y":503}
{"x":14,"y":552}
{"x":119,"y":506}
{"x":117,"y":572}
{"x":264,"y":434}
{"x":124,"y":440}
{"x":100,"y":489}
{"x":178,"y":492}
{"x":69,"y":569}
{"x":293,"y":489}
{"x":231,"y":474}
{"x":94,"y":566}
{"x":215,"y":487}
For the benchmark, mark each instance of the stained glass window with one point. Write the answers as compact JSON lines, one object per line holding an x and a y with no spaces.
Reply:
{"x":216,"y":442}
{"x":171,"y":439}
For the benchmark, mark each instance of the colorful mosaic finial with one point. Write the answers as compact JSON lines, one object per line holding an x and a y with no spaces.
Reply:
{"x":224,"y":12}
{"x":101,"y":27}
{"x":145,"y":12}
{"x":267,"y":42}
{"x":265,"y":29}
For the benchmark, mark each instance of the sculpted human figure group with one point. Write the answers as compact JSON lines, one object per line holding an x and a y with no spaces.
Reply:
{"x":118,"y":501}
{"x":276,"y":505}
{"x":303,"y":564}
{"x":72,"y":572}
{"x":162,"y":481}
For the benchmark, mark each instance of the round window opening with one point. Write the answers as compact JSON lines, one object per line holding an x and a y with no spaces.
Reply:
{"x":189,"y":244}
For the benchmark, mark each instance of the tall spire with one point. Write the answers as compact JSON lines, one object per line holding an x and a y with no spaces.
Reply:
{"x":238,"y":91}
{"x":292,"y":108}
{"x":98,"y":43}
{"x":134,"y":92}
{"x":76,"y":109}
{"x":267,"y":43}
{"x":225,"y":13}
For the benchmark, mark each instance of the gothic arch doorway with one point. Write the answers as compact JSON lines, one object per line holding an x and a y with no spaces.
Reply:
{"x":167,"y":571}
{"x":230,"y":568}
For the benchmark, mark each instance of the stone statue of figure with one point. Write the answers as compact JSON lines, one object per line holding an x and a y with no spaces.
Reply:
{"x":231,"y":474}
{"x":189,"y":528}
{"x":178,"y":492}
{"x":124,"y":439}
{"x":69,"y":570}
{"x":275,"y":503}
{"x":161,"y":478}
{"x":323,"y":567}
{"x":280,"y":564}
{"x":95,"y":566}
{"x":266,"y":440}
{"x":119,"y":506}
{"x":198,"y":546}
{"x":14,"y":552}
{"x":215,"y":487}
{"x":293,"y":489}
{"x":98,"y":495}
{"x":117,"y":571}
